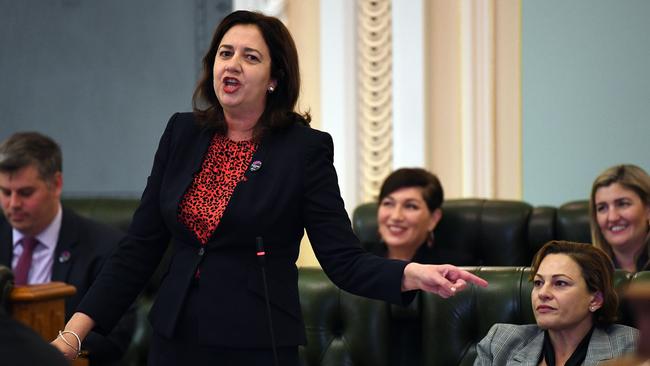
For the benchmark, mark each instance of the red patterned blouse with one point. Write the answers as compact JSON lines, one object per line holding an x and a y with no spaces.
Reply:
{"x":206,"y":199}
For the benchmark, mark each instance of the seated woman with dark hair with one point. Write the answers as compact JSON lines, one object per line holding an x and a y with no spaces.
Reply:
{"x":409,"y":210}
{"x":620,"y":214}
{"x":575,"y":305}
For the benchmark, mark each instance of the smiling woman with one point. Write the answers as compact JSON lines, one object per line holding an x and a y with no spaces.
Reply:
{"x":575,"y":305}
{"x":620,"y":215}
{"x":409,"y":210}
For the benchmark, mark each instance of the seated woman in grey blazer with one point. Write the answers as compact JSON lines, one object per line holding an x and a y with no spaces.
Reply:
{"x":575,"y":305}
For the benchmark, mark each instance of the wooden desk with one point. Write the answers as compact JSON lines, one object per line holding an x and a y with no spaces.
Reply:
{"x":42,"y":308}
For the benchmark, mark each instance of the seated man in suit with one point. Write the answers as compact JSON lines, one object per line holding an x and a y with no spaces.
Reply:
{"x":43,"y":242}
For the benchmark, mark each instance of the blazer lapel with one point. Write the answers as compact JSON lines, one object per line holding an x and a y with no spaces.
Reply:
{"x":200,"y":148}
{"x":530,"y":353}
{"x":186,"y":173}
{"x":253,"y":182}
{"x":600,"y":348}
{"x":66,"y":246}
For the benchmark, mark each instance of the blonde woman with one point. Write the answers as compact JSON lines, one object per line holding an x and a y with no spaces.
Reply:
{"x":620,"y":215}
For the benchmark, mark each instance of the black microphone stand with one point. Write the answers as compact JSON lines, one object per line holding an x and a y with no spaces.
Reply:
{"x":261,"y":256}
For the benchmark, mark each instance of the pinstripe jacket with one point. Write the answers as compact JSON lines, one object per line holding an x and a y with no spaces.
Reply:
{"x":509,"y":344}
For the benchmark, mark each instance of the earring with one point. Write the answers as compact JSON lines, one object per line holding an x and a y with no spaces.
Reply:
{"x":271,"y":89}
{"x":431,"y":238}
{"x":592,"y":308}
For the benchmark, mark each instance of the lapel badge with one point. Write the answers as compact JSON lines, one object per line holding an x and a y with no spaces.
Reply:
{"x":65,"y":256}
{"x":255,"y":166}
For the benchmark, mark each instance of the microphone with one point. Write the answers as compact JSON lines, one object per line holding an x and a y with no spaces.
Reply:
{"x":261,"y":254}
{"x":261,"y":257}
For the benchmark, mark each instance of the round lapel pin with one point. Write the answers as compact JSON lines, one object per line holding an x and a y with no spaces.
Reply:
{"x":64,"y":257}
{"x":256,"y":165}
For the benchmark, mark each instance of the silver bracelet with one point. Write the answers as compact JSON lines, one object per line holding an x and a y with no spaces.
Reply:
{"x":77,"y":350}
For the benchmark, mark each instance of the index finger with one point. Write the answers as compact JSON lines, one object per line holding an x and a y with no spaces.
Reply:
{"x":473,"y":279}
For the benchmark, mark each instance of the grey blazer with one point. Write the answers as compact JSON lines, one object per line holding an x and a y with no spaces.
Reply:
{"x":509,"y":344}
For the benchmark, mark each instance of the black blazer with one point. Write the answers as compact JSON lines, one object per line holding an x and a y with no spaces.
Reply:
{"x":295,"y":189}
{"x":87,"y":245}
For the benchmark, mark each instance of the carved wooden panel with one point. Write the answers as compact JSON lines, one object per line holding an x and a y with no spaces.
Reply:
{"x":375,"y":96}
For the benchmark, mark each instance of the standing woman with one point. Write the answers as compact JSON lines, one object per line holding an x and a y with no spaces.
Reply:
{"x":620,"y":215}
{"x":243,"y":168}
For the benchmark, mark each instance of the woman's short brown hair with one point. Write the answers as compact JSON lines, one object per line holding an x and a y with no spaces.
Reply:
{"x":432,"y":192}
{"x":280,"y":104}
{"x":596,"y":268}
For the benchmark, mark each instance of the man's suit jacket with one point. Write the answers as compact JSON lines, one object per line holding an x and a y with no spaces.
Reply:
{"x":509,"y":344}
{"x":82,"y":249}
{"x":294,"y":189}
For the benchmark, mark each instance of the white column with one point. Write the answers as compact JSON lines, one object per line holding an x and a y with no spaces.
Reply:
{"x":408,"y":84}
{"x":478,"y":98}
{"x":339,"y":91}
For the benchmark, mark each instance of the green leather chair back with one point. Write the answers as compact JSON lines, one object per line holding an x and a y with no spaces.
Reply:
{"x":116,"y":212}
{"x":475,"y":232}
{"x":342,"y":329}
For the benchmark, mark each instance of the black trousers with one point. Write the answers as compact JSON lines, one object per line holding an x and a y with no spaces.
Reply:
{"x":166,"y":352}
{"x":184,"y":348}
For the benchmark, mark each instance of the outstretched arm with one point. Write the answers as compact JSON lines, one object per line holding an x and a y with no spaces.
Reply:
{"x":443,"y":280}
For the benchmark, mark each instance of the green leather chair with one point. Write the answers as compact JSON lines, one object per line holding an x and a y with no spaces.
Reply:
{"x":116,"y":212}
{"x":342,"y":329}
{"x":475,"y":232}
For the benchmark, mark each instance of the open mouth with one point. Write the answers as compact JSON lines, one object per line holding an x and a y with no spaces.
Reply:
{"x":230,"y":85}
